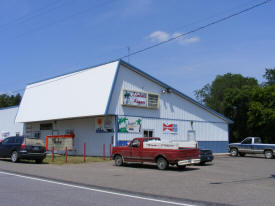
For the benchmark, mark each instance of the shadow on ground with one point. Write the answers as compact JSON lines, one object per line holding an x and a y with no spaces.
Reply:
{"x":154,"y":167}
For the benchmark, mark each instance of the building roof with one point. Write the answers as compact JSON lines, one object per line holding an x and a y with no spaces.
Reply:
{"x":87,"y":91}
{"x":78,"y":94}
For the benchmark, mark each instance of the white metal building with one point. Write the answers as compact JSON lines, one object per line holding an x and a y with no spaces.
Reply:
{"x":113,"y":103}
{"x":8,"y":127}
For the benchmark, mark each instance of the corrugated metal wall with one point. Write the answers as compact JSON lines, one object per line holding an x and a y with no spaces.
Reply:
{"x":205,"y":131}
{"x":85,"y":132}
{"x":173,"y":109}
{"x":172,"y":106}
{"x":7,"y":121}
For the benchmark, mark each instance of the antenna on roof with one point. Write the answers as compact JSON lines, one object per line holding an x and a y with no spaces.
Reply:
{"x":129,"y":51}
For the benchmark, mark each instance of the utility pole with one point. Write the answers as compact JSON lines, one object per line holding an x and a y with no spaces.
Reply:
{"x":128,"y":48}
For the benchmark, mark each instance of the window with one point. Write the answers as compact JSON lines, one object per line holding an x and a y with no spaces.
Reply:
{"x":48,"y":126}
{"x":247,"y":141}
{"x":153,"y":100}
{"x":135,"y":143}
{"x":37,"y":135}
{"x":147,"y":133}
{"x":257,"y":140}
{"x":10,"y":140}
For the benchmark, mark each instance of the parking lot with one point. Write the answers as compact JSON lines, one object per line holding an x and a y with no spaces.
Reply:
{"x":227,"y":181}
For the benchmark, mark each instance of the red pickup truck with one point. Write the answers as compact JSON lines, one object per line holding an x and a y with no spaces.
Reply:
{"x":151,"y":149}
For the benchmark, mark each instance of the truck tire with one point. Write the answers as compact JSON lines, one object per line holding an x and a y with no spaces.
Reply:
{"x":234,"y":152}
{"x":268,"y":154}
{"x":14,"y":156}
{"x":118,"y":160}
{"x":162,"y":163}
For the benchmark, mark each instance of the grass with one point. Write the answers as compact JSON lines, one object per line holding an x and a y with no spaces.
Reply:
{"x":60,"y":160}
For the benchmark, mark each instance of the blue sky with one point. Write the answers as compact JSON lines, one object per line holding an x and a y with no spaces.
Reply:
{"x":41,"y":39}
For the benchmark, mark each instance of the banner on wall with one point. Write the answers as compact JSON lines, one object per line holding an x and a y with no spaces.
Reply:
{"x":129,"y":124}
{"x":134,"y":98}
{"x":169,"y":128}
{"x":59,"y":142}
{"x":104,"y":125}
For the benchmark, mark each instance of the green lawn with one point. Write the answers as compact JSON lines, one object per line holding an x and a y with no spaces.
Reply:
{"x":60,"y":160}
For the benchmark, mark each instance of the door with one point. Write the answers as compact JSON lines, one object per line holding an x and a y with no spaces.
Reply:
{"x":246,"y":146}
{"x":135,"y":154}
{"x":7,"y":146}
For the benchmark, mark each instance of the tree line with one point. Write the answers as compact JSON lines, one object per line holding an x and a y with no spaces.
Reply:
{"x":9,"y":100}
{"x":242,"y":99}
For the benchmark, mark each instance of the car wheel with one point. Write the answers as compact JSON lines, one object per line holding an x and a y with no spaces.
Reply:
{"x":162,"y":163}
{"x":118,"y":160}
{"x":38,"y":161}
{"x":14,"y":156}
{"x":268,"y":154}
{"x":234,"y":152}
{"x":241,"y":154}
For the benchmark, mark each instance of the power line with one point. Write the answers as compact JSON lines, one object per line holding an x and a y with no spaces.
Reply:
{"x":36,"y":13}
{"x":197,"y":29}
{"x":169,"y":40}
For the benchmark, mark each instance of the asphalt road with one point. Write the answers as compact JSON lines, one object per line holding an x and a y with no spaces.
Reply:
{"x":18,"y":190}
{"x":228,"y":181}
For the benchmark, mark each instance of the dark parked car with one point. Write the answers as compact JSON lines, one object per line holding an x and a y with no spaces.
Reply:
{"x":206,"y":155}
{"x":22,"y":148}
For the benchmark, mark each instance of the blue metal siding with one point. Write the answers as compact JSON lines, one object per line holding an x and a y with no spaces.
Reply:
{"x":215,"y":146}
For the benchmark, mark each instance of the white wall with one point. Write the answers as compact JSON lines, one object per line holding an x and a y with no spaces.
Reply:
{"x":85,"y":131}
{"x":172,"y":106}
{"x":7,"y":121}
{"x":205,"y":131}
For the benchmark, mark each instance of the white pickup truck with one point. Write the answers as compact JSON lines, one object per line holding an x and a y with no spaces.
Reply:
{"x":252,"y":145}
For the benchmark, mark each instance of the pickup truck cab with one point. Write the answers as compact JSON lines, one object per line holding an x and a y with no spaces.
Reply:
{"x":252,"y":145}
{"x":152,"y":150}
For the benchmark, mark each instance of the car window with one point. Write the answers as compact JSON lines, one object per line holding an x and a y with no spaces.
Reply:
{"x":18,"y":140}
{"x":136,"y":143}
{"x":247,"y":141}
{"x":9,"y":140}
{"x":257,"y":140}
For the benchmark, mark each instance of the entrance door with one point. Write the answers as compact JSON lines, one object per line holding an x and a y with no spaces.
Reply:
{"x":191,"y":135}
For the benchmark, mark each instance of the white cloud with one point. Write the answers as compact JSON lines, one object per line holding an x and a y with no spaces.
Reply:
{"x":160,"y":36}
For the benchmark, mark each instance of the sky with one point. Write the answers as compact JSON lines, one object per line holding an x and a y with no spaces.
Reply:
{"x":42,"y":39}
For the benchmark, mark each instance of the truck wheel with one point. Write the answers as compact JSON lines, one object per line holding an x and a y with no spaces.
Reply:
{"x":268,"y":154}
{"x":118,"y":160}
{"x":234,"y":152}
{"x":162,"y":163}
{"x":14,"y":156}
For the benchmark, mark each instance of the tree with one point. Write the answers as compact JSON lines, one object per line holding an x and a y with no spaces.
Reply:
{"x":229,"y":94}
{"x":212,"y":95}
{"x":269,"y":76}
{"x":261,"y":113}
{"x":7,"y":101}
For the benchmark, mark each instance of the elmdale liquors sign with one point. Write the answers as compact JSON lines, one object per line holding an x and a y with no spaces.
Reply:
{"x":133,"y":98}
